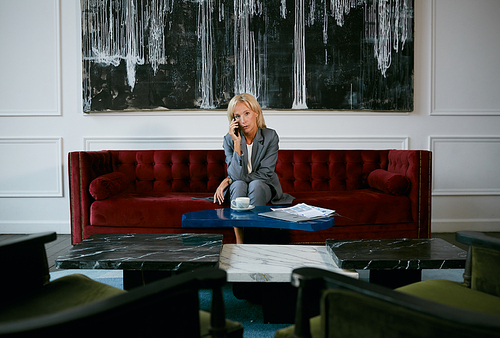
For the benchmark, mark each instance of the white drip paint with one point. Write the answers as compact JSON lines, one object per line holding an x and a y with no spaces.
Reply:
{"x":117,"y":33}
{"x":341,"y":8}
{"x":325,"y":23}
{"x":389,"y":20}
{"x":246,"y":79}
{"x":205,"y":34}
{"x":283,"y":9}
{"x":299,"y":58}
{"x":156,"y":18}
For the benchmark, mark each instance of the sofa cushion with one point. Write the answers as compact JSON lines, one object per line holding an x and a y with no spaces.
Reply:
{"x":147,"y":210}
{"x":157,"y":210}
{"x":388,"y":182}
{"x":108,"y":185}
{"x":360,"y":207}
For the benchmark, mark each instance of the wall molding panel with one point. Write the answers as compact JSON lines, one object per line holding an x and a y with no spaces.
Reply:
{"x":151,"y":143}
{"x":465,"y":165}
{"x":464,"y":82}
{"x":118,"y":143}
{"x":31,"y":69}
{"x":31,"y":167}
{"x":348,"y":143}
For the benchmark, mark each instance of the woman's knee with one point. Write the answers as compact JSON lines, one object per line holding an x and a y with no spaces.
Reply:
{"x":259,"y":192}
{"x":238,"y":189}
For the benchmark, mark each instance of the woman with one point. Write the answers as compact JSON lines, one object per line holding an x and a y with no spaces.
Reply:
{"x":251,"y":155}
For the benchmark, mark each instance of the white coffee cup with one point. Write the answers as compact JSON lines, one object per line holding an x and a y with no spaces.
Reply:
{"x":241,"y":202}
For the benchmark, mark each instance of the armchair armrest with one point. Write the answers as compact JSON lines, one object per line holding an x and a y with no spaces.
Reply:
{"x":475,"y":238}
{"x":24,"y":262}
{"x":375,"y":309}
{"x":482,"y":270}
{"x":167,"y":308}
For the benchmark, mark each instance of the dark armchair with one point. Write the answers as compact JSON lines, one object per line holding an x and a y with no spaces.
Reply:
{"x":76,"y":305}
{"x":431,"y":308}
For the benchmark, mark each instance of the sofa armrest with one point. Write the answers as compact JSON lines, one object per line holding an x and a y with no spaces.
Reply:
{"x":84,"y":166}
{"x":416,"y":165}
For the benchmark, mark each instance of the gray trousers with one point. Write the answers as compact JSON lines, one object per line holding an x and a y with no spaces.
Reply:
{"x":259,"y":192}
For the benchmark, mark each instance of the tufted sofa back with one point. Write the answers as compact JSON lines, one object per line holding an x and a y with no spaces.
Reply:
{"x":171,"y":170}
{"x":203,"y":170}
{"x":327,"y":170}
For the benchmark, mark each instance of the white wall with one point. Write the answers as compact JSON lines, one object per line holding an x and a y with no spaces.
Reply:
{"x":457,"y":116}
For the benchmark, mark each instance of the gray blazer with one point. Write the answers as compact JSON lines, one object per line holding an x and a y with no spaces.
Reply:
{"x":264,"y":157}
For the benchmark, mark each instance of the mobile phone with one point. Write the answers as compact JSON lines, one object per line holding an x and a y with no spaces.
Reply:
{"x":237,"y":129}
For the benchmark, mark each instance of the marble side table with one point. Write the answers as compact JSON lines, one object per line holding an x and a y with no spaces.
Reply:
{"x":144,"y":257}
{"x":395,"y":262}
{"x":262,"y":273}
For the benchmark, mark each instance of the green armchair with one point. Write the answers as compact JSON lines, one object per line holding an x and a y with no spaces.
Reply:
{"x":433,"y":308}
{"x":76,"y":305}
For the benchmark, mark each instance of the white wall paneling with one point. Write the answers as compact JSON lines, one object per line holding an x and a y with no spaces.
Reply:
{"x":117,"y":143}
{"x":465,"y":57}
{"x":31,"y":167}
{"x":30,"y":40}
{"x":344,"y":142}
{"x":465,"y":165}
{"x":151,"y":143}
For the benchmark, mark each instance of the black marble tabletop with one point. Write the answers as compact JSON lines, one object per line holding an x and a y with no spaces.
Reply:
{"x":366,"y":254}
{"x":161,"y":252}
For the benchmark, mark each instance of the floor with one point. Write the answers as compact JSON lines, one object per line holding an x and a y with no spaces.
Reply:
{"x":63,"y":243}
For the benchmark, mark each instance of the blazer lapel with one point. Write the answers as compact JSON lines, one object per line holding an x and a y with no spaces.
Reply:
{"x":243,"y":148}
{"x":258,"y":145}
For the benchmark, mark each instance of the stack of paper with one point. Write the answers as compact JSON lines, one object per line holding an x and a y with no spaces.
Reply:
{"x":307,"y":211}
{"x":299,"y":213}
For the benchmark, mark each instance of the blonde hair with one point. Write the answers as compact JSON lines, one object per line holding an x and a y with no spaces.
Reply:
{"x":251,"y":103}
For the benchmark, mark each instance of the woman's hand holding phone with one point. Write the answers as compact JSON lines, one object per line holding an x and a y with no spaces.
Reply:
{"x":235,"y":134}
{"x":237,"y":129}
{"x":234,"y":130}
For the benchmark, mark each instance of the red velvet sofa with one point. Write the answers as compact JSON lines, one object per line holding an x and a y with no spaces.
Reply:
{"x":379,"y":193}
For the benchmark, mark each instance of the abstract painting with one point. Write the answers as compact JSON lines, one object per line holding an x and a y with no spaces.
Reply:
{"x":349,"y":55}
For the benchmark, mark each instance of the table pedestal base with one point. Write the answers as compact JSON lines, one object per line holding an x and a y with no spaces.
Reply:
{"x":395,"y":278}
{"x":135,"y":278}
{"x":278,"y":300}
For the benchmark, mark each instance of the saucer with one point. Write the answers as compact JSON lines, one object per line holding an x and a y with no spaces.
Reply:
{"x":250,"y":207}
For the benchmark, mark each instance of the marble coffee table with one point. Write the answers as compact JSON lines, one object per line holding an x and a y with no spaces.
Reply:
{"x":274,"y":263}
{"x":263,"y":273}
{"x":396,"y":262}
{"x":143,"y":257}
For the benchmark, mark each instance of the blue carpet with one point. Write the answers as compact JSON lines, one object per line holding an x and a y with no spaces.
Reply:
{"x":247,"y":313}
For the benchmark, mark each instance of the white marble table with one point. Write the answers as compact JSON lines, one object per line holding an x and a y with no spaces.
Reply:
{"x":273,"y":263}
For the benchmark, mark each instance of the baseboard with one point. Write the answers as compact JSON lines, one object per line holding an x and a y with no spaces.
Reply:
{"x":30,"y":227}
{"x":454,"y":225}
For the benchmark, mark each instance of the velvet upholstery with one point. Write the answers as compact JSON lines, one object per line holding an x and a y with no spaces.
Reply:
{"x":161,"y":184}
{"x":108,"y":185}
{"x":388,"y":182}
